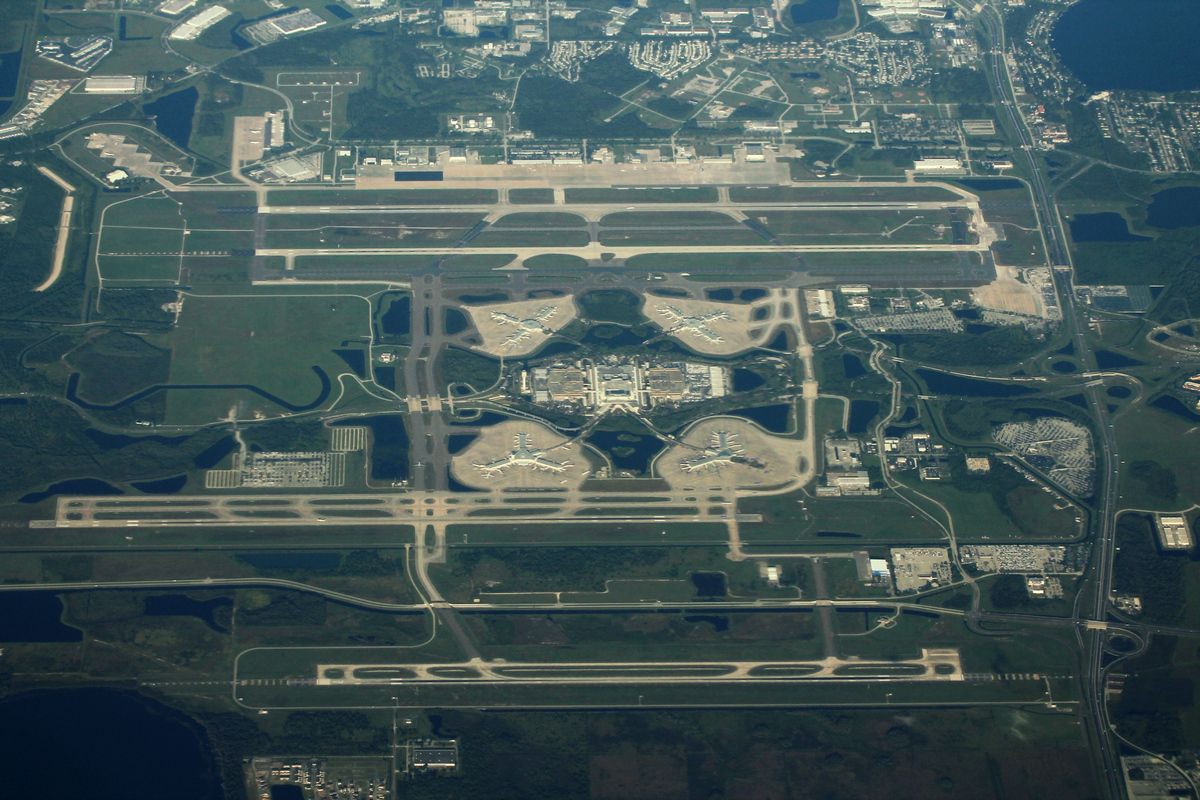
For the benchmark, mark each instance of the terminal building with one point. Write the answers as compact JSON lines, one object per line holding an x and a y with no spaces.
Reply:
{"x":626,"y":384}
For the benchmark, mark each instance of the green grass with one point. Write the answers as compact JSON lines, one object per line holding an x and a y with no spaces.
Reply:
{"x":380,"y":197}
{"x":540,"y":219}
{"x":845,"y":521}
{"x":1157,"y":448}
{"x":588,"y":534}
{"x":272,"y":342}
{"x":847,"y":192}
{"x":643,"y":194}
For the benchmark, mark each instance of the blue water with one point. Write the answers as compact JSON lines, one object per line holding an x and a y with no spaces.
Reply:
{"x":627,"y":451}
{"x":745,"y":380}
{"x":397,"y":320}
{"x":169,"y":485}
{"x":173,"y":114}
{"x":1107,"y":226}
{"x":10,"y":71}
{"x":1174,"y":208}
{"x":1147,"y":45}
{"x":861,"y":414}
{"x":180,"y":605}
{"x":213,"y":455}
{"x":34,"y":617}
{"x":813,"y":11}
{"x":776,"y":418}
{"x":88,"y":486}
{"x":103,"y":744}
{"x":307,"y":562}
{"x":955,"y":385}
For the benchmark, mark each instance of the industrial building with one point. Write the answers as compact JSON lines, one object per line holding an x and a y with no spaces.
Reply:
{"x":193,"y":26}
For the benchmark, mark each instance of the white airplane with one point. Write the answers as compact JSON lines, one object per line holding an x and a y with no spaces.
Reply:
{"x":722,"y":448}
{"x":523,"y":454}
{"x":696,"y":324}
{"x":528,"y":326}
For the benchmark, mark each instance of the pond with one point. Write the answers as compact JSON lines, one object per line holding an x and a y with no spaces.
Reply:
{"x":745,"y":380}
{"x":861,"y":414}
{"x":173,"y":114}
{"x":169,"y":485}
{"x":1174,"y":208}
{"x":103,"y":744}
{"x":89,"y":486}
{"x":34,"y":616}
{"x":958,"y":386}
{"x":397,"y":319}
{"x":709,"y":584}
{"x":389,"y":446}
{"x":1107,"y":226}
{"x":774,"y":418}
{"x":852,"y":366}
{"x":10,"y":71}
{"x":1143,"y":45}
{"x":813,"y":11}
{"x":211,"y":456}
{"x":211,"y":612}
{"x":1107,"y":359}
{"x":628,"y":451}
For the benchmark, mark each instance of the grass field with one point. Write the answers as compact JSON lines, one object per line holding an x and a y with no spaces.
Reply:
{"x":846,"y":192}
{"x":272,"y":342}
{"x":381,"y":197}
{"x":1157,"y":448}
{"x":835,"y":521}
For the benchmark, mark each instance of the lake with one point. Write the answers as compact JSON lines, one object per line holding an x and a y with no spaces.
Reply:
{"x":34,"y":616}
{"x":1174,"y":208}
{"x":103,"y":744}
{"x":1146,"y":45}
{"x":1106,"y":226}
{"x":813,"y":11}
{"x":173,"y":114}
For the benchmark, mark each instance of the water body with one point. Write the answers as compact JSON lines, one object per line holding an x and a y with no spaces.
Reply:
{"x":115,"y":441}
{"x":958,"y":386}
{"x":627,"y":451}
{"x":611,"y":336}
{"x":1107,"y":359}
{"x":852,"y":366}
{"x":1174,"y":208}
{"x":93,"y":486}
{"x":34,"y":617}
{"x":813,"y":11}
{"x":180,"y":605}
{"x":745,"y":380}
{"x":169,"y":485}
{"x":173,"y":114}
{"x":861,"y":414}
{"x":1146,"y":45}
{"x":103,"y":744}
{"x":389,"y":447}
{"x":213,"y":455}
{"x":775,"y":418}
{"x":1173,"y":405}
{"x":1107,"y":226}
{"x":709,"y":584}
{"x":397,"y":320}
{"x":10,"y":71}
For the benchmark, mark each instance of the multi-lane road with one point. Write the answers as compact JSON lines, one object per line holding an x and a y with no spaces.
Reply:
{"x":991,"y":23}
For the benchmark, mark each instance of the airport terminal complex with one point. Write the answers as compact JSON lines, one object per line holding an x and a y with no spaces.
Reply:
{"x":526,"y":398}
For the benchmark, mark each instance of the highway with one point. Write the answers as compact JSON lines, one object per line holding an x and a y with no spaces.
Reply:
{"x":1093,"y":675}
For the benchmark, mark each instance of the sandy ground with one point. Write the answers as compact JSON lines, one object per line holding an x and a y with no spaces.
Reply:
{"x":565,"y":465}
{"x":776,"y":459}
{"x":1006,"y":293}
{"x":717,"y":328}
{"x":500,"y":324}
